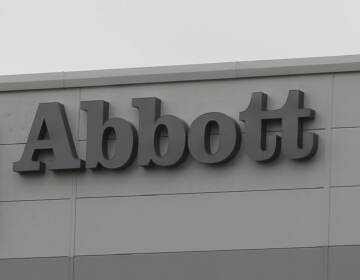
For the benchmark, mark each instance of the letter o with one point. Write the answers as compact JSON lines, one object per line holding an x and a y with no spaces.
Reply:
{"x":199,"y":138}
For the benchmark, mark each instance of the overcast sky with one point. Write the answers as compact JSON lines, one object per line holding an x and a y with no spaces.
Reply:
{"x":65,"y":35}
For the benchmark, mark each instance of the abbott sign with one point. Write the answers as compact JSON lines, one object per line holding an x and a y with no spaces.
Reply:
{"x":50,"y":131}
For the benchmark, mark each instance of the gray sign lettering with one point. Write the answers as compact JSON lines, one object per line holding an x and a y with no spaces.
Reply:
{"x":50,"y":131}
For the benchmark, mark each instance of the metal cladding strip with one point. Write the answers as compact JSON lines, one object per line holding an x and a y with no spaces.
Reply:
{"x":211,"y":71}
{"x":279,"y":264}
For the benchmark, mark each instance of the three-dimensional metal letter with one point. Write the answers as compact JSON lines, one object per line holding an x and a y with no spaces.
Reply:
{"x":51,"y":120}
{"x":297,"y":144}
{"x":258,"y":145}
{"x":199,"y":138}
{"x":150,"y":126}
{"x":99,"y":127}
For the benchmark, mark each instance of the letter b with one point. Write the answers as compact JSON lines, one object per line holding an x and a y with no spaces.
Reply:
{"x":150,"y":126}
{"x":98,"y":129}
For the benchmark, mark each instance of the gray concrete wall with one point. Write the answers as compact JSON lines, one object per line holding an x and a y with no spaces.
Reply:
{"x":242,"y":220}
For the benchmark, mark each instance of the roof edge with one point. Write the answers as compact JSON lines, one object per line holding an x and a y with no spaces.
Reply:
{"x":178,"y":73}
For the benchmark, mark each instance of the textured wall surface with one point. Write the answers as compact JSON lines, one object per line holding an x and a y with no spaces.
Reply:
{"x":242,"y":220}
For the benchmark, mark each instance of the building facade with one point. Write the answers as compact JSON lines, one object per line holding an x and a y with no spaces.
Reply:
{"x":240,"y":218}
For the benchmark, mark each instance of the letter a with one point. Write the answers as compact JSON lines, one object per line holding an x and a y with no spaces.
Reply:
{"x":50,"y":120}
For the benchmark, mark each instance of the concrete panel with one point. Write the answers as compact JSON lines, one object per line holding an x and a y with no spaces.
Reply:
{"x":224,"y":221}
{"x":188,"y":100}
{"x":345,"y":155}
{"x":242,"y":173}
{"x":344,"y":216}
{"x":270,"y":264}
{"x":344,"y":263}
{"x":346,"y":102}
{"x":14,"y":186}
{"x":35,"y":269}
{"x":17,"y":111}
{"x":35,"y":228}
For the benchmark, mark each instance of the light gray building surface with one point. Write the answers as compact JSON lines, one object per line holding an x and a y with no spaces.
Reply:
{"x":283,"y":219}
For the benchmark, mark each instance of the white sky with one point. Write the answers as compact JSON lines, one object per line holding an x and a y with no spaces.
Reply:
{"x":64,"y":35}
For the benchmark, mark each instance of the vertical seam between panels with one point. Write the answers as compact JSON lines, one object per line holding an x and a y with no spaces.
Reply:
{"x":73,"y":201}
{"x":330,"y":122}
